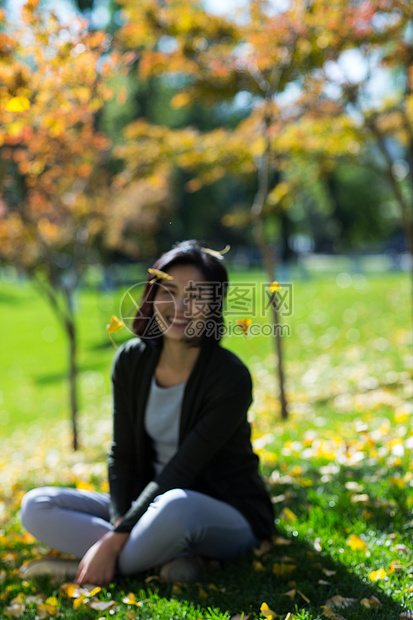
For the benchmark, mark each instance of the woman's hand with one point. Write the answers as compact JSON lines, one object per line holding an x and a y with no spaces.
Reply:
{"x":98,"y":564}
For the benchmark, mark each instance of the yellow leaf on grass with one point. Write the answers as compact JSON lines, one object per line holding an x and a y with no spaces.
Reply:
{"x":130,"y":599}
{"x":339,"y":601}
{"x":101,"y":605}
{"x":395,"y":567}
{"x":328,"y":572}
{"x":258,"y":566}
{"x":267,"y":612}
{"x":18,"y":104}
{"x":303,"y":596}
{"x":78,"y":602}
{"x":68,"y":589}
{"x":265,"y":547}
{"x":47,"y":611}
{"x":95,"y":591}
{"x":176,"y":588}
{"x":371,"y":602}
{"x":280,"y":541}
{"x":287,"y":515}
{"x":377,"y":574}
{"x":356,"y":543}
{"x":283,"y":570}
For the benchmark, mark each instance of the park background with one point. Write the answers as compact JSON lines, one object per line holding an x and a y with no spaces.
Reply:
{"x":282,"y":129}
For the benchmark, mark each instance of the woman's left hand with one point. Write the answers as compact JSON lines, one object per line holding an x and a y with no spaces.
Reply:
{"x":98,"y":564}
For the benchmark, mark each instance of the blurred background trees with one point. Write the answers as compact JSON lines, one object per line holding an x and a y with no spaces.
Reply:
{"x":125,"y":126}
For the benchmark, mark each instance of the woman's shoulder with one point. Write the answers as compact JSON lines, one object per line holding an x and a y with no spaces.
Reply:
{"x":131,"y":348}
{"x":129,"y":353}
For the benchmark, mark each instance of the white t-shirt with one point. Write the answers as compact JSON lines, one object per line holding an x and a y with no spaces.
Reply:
{"x":162,"y":417}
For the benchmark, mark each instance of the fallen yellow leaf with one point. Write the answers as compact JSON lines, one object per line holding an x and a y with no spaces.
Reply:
{"x":265,"y":547}
{"x":377,"y":574}
{"x":328,"y":573}
{"x":78,"y":602}
{"x":287,"y":515}
{"x":101,"y":605}
{"x":280,"y":541}
{"x":371,"y":602}
{"x":356,"y":543}
{"x":130,"y":599}
{"x":283,"y":570}
{"x":303,"y":596}
{"x":258,"y":566}
{"x":267,"y":612}
{"x":339,"y":601}
{"x":47,"y":611}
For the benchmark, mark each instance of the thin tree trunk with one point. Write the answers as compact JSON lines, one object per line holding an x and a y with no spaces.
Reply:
{"x":404,"y":206}
{"x":63,"y":308}
{"x":269,"y":263}
{"x":73,"y":372}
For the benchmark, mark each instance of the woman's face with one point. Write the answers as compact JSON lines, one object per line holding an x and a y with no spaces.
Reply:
{"x":180,"y":304}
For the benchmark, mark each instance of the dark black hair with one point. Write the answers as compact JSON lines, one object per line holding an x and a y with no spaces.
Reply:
{"x":209,"y":263}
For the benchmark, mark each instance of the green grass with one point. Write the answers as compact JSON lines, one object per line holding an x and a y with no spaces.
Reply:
{"x":339,"y":466}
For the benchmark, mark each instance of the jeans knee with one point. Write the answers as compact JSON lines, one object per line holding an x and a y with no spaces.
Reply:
{"x":30,"y":505}
{"x":176,"y":509}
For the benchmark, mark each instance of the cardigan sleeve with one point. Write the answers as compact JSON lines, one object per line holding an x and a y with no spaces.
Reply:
{"x":223,"y":408}
{"x":123,"y":477}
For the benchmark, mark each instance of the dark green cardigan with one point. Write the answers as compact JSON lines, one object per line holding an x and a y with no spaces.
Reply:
{"x":214,"y":455}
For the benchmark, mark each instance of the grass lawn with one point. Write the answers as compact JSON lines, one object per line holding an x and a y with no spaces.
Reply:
{"x":339,"y":469}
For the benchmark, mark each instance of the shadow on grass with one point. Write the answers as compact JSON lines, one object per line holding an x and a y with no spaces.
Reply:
{"x":50,"y":378}
{"x":237,"y":587}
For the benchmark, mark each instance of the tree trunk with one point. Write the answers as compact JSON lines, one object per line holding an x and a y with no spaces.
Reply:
{"x":71,"y":332}
{"x":405,"y":206}
{"x":269,"y":264}
{"x":280,"y":355}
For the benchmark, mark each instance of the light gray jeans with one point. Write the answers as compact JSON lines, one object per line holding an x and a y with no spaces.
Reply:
{"x":177,"y":522}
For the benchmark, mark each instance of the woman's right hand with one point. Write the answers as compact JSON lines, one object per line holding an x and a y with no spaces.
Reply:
{"x":99,"y":562}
